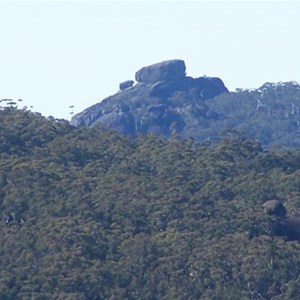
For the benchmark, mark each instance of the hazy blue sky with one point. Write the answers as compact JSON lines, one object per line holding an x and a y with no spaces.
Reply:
{"x":61,"y":53}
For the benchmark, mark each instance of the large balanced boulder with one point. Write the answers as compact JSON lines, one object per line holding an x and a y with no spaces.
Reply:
{"x":166,"y":70}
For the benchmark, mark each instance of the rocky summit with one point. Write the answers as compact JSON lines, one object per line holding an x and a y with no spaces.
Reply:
{"x":166,"y":70}
{"x":164,"y":101}
{"x":162,"y":95}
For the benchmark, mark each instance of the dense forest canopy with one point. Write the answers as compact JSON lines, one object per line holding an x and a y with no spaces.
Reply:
{"x":89,"y":214}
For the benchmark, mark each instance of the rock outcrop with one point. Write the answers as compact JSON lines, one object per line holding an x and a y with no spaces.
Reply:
{"x":126,"y":84}
{"x":274,"y":207}
{"x":202,"y":107}
{"x":166,"y":70}
{"x":283,"y":224}
{"x":162,"y":95}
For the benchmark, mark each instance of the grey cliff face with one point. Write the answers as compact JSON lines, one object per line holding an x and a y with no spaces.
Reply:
{"x":163,"y":95}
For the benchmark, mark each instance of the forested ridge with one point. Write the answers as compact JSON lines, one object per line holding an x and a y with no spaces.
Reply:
{"x":89,"y":214}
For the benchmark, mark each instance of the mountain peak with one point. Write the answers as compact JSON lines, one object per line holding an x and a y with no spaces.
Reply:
{"x":158,"y":98}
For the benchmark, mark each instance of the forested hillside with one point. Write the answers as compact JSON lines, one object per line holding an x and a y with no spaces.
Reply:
{"x":89,"y":214}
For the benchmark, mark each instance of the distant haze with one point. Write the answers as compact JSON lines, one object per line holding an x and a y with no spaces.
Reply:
{"x":59,"y":54}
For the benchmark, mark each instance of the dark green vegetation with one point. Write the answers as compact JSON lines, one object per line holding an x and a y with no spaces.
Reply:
{"x":111,"y":218}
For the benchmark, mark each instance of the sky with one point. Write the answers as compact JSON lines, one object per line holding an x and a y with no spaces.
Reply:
{"x":57,"y":54}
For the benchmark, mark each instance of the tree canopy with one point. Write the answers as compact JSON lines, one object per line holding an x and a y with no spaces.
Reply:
{"x":89,"y":214}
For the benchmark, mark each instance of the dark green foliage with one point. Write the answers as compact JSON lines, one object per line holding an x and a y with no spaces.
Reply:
{"x":269,"y":114}
{"x":110,"y":218}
